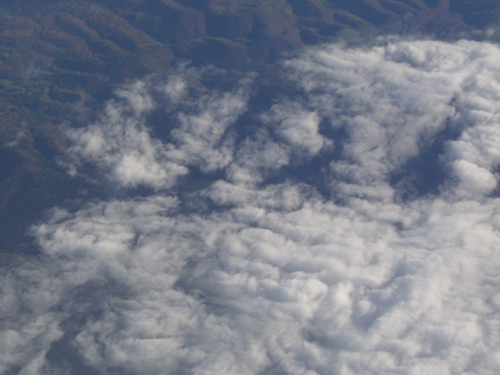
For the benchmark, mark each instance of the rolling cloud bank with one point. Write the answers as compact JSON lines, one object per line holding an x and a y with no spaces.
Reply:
{"x":353,"y":229}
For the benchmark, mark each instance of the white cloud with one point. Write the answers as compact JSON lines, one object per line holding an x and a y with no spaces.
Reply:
{"x":473,"y":177}
{"x":19,"y":136}
{"x":298,"y":127}
{"x":257,"y":156}
{"x":201,"y":137}
{"x":395,"y":98}
{"x":175,"y":89}
{"x":275,"y":278}
{"x":310,"y":287}
{"x":121,"y":146}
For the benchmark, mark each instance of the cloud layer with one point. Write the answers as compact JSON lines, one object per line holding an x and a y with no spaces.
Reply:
{"x":245,"y":276}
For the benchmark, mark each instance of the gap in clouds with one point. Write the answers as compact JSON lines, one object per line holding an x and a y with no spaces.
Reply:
{"x":426,"y":173}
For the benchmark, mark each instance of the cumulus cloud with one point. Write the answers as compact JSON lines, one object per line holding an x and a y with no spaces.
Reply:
{"x":256,"y":157}
{"x":201,"y":138}
{"x":121,"y":146}
{"x":248,"y":277}
{"x":474,"y":178}
{"x":298,"y":127}
{"x":393,"y":99}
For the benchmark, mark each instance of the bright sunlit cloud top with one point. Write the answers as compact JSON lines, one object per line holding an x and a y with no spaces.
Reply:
{"x":391,"y":266}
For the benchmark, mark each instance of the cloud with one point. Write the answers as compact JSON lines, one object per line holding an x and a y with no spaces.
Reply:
{"x":394,"y":98}
{"x":256,"y":157}
{"x":19,"y":136}
{"x":298,"y":127}
{"x":201,"y":138}
{"x":474,"y":178}
{"x":247,"y":276}
{"x":120,"y":144}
